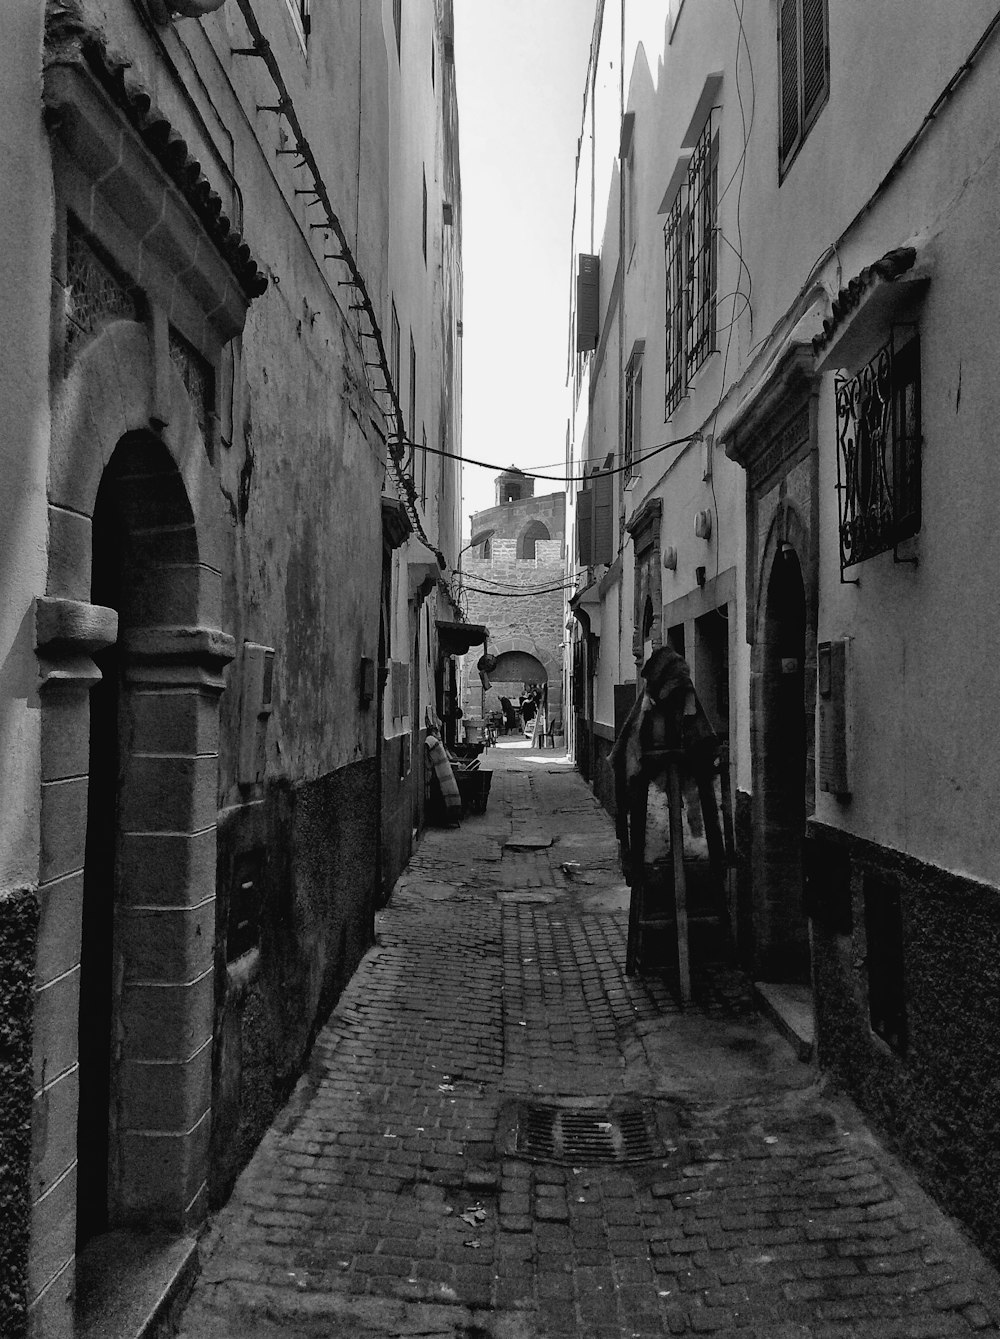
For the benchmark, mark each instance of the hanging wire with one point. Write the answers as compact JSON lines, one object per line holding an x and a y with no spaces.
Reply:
{"x":558,"y":478}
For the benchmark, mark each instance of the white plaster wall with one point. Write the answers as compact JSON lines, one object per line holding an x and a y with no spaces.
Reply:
{"x":925,"y":648}
{"x":25,"y":236}
{"x":427,"y":293}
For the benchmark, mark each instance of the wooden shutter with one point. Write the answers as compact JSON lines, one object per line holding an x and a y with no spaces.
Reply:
{"x":585,"y":528}
{"x":788,"y":60}
{"x":588,"y":285}
{"x":814,"y":58}
{"x":604,"y":517}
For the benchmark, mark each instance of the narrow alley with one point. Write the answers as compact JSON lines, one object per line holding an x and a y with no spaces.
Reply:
{"x":501,"y":1135}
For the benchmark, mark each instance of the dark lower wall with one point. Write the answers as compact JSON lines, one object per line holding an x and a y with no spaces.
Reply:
{"x":303,"y":862}
{"x":937,"y":1097}
{"x":18,"y":930}
{"x":601,"y":776}
{"x":397,"y":810}
{"x":743,"y":835}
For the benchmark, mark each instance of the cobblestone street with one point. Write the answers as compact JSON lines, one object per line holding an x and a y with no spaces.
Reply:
{"x":439,"y":1170}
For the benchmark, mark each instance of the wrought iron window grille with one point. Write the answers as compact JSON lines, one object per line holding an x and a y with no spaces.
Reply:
{"x":701,"y":249}
{"x":673,"y":244}
{"x":878,"y":452}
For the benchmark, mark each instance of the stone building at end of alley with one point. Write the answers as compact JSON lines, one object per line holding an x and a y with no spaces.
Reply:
{"x":512,"y":583}
{"x":230,"y":239}
{"x":786,"y":279}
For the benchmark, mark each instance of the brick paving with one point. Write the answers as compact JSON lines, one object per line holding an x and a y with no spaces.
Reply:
{"x":393,"y":1196}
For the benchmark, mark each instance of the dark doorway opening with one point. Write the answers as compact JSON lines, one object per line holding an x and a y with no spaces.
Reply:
{"x":96,"y":958}
{"x":783,"y":946}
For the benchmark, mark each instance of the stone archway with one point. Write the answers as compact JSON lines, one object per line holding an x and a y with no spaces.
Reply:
{"x":783,"y":697}
{"x":134,"y":590}
{"x":517,"y":656}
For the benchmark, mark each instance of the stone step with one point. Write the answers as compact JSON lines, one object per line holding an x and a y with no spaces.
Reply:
{"x":128,"y":1283}
{"x":790,"y":1008}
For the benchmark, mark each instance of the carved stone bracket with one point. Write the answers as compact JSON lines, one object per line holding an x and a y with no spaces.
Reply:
{"x":178,"y":656}
{"x":67,"y":634}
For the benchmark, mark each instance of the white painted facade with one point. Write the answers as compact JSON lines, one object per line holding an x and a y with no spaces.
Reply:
{"x":880,"y":881}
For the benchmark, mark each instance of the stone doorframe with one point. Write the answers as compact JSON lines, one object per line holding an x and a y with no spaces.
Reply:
{"x":644,"y":527}
{"x":174,"y":653}
{"x":150,"y":283}
{"x":775,"y":439}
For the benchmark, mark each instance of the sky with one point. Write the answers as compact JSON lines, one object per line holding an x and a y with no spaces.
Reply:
{"x":521,"y":67}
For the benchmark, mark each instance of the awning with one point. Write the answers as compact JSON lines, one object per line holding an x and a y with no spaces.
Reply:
{"x":455,"y":639}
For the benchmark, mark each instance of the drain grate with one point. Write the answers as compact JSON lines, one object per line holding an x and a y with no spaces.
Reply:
{"x":586,"y":1134}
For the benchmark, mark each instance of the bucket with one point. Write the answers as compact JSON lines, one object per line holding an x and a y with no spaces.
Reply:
{"x":474,"y":788}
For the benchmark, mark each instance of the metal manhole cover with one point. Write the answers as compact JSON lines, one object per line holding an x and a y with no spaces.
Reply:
{"x":586,"y":1134}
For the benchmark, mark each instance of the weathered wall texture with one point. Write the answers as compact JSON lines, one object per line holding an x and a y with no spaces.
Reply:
{"x":194,"y":570}
{"x":25,"y":230}
{"x":893,"y":777}
{"x":938,"y":1102}
{"x":18,"y":925}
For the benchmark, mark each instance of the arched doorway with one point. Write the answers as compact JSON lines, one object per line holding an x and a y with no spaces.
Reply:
{"x":514,"y":669}
{"x":148,"y":928}
{"x":780,"y":787}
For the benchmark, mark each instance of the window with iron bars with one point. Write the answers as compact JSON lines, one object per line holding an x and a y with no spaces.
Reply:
{"x":673,"y":240}
{"x":632,"y":445}
{"x":702,"y":250}
{"x":691,"y":264}
{"x":878,"y":451}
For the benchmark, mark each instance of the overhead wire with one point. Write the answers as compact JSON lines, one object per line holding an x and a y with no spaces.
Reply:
{"x":557,"y":478}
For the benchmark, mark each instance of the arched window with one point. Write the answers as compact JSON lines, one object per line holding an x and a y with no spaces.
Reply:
{"x":487,"y":550}
{"x":529,"y":537}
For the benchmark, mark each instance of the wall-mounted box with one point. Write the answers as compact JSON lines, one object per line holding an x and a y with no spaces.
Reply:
{"x":834,"y":723}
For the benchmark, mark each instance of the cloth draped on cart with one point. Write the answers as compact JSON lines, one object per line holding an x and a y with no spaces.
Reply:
{"x":666,"y":716}
{"x":444,"y":777}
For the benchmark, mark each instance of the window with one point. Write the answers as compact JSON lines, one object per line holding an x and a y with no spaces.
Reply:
{"x":533,"y":532}
{"x":433,"y":64}
{"x":397,"y":23}
{"x":632,"y":445}
{"x":702,"y":250}
{"x":423,"y":465}
{"x":299,"y":10}
{"x":411,"y":422}
{"x":595,"y":522}
{"x":630,"y":206}
{"x":804,"y":71}
{"x":691,"y":257}
{"x":394,"y":351}
{"x":423,"y":218}
{"x":626,"y":153}
{"x":673,"y":238}
{"x":878,"y":450}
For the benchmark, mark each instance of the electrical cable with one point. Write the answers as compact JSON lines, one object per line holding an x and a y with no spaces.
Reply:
{"x":557,"y":478}
{"x":514,"y":595}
